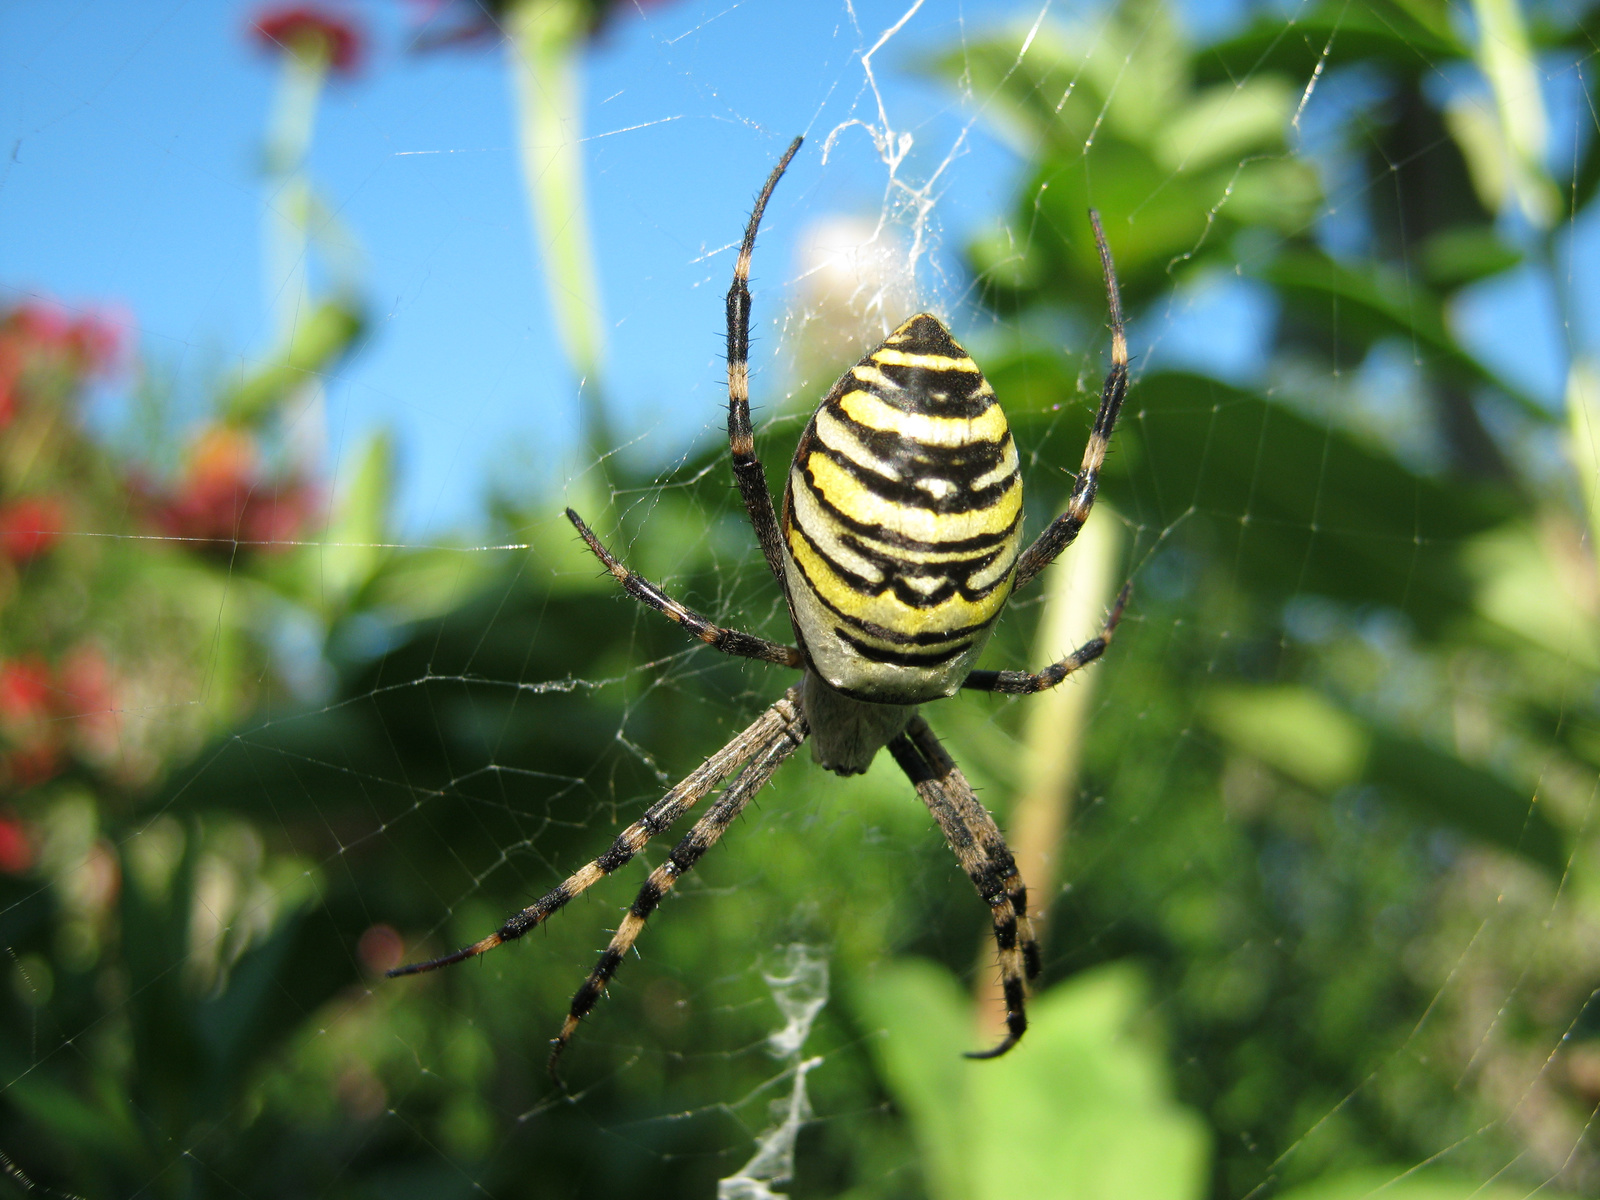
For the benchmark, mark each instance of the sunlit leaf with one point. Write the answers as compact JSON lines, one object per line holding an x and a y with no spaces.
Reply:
{"x":1082,"y":1109}
{"x":317,"y":342}
{"x":1399,"y":1183}
{"x":1302,"y":734}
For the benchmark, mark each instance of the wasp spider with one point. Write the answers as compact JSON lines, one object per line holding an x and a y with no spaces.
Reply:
{"x":899,"y":543}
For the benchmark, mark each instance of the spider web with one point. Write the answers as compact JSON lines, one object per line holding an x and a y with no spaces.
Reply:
{"x":1320,"y":912}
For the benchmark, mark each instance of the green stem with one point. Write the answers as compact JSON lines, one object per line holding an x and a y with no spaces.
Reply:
{"x":545,"y":41}
{"x":288,"y":212}
{"x":1583,"y":440}
{"x":1506,"y":58}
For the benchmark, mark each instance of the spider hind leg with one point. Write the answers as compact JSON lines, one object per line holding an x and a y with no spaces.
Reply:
{"x":764,"y":760}
{"x":688,"y":792}
{"x":983,"y":854}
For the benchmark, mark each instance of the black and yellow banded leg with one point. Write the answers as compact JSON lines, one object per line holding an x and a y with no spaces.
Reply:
{"x":747,"y":470}
{"x":986,"y":833}
{"x":934,"y":787}
{"x":705,"y":834}
{"x":1023,"y":683}
{"x":1064,"y":529}
{"x":729,"y":641}
{"x":658,"y":819}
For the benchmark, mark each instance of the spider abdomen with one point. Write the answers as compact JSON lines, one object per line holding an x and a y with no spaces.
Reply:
{"x":902,"y":520}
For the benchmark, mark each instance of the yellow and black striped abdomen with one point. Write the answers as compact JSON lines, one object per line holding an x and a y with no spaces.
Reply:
{"x":902,"y":520}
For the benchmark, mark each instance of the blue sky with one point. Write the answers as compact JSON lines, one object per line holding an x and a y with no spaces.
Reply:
{"x":133,"y":135}
{"x":133,"y":130}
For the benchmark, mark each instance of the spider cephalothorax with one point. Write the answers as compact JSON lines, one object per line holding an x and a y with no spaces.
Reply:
{"x":899,"y":545}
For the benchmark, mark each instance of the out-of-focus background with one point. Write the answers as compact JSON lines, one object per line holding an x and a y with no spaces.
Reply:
{"x":313,"y":317}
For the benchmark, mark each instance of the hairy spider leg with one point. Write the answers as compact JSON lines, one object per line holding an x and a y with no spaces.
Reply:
{"x":747,"y":469}
{"x":729,"y":641}
{"x":1064,"y":529}
{"x":980,"y":822}
{"x":660,"y":817}
{"x":1022,"y":683}
{"x":943,"y":789}
{"x":780,"y":744}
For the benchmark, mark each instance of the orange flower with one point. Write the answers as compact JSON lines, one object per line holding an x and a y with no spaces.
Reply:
{"x":224,"y":499}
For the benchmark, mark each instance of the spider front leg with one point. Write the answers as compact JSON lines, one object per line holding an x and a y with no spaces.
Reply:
{"x":1064,"y":529}
{"x":748,"y":472}
{"x":705,"y":834}
{"x":729,"y":641}
{"x":987,"y":861}
{"x":1022,"y":683}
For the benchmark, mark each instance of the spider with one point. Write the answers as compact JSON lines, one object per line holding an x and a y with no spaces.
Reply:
{"x":898,"y":545}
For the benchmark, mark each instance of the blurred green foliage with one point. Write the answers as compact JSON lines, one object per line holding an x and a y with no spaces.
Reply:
{"x":1328,"y":922}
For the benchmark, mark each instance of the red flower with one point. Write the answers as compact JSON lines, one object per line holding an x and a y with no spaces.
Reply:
{"x":10,"y":373}
{"x":48,"y":716}
{"x":16,"y":850}
{"x":95,"y":341}
{"x":25,"y":691}
{"x":307,"y":30}
{"x":26,"y":704}
{"x":28,"y":528}
{"x":89,"y":342}
{"x":37,"y":335}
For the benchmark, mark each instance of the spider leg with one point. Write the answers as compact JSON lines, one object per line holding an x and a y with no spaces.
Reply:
{"x":1064,"y":529}
{"x":747,"y":470}
{"x":660,"y":816}
{"x":779,"y":745}
{"x":1022,"y":683}
{"x":729,"y":641}
{"x":987,"y":834}
{"x":972,"y":835}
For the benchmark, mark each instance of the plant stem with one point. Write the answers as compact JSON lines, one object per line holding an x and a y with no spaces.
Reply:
{"x":545,"y":41}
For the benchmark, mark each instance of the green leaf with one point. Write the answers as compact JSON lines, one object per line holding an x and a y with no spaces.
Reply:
{"x":925,"y":1020}
{"x":103,"y":1130}
{"x":1222,"y":124}
{"x":1401,"y":1183}
{"x":1082,"y":1108}
{"x":1293,"y":506}
{"x":1294,"y":730}
{"x":1443,"y":787}
{"x":1461,"y":256}
{"x":1302,"y":734}
{"x":1528,"y":596}
{"x":318,"y":342}
{"x":353,"y":546}
{"x":1409,"y":37}
{"x":1373,"y":303}
{"x":1070,"y":83}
